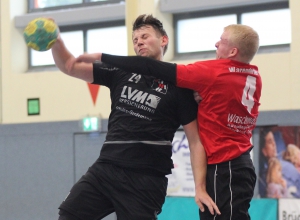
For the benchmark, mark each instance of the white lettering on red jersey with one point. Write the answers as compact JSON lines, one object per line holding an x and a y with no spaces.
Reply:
{"x":227,"y":114}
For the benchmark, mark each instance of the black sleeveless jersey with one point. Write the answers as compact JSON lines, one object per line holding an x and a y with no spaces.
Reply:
{"x":145,"y":114}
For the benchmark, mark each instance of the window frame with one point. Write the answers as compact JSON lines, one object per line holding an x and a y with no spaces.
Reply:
{"x":85,"y":3}
{"x":79,"y":27}
{"x":239,"y":10}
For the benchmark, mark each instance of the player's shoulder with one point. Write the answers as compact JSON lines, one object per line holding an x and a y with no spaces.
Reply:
{"x":211,"y":65}
{"x":211,"y":61}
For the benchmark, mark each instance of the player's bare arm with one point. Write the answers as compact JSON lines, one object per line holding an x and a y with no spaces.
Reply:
{"x":199,"y":165}
{"x":68,"y":64}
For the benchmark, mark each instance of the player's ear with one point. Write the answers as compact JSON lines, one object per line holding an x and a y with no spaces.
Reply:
{"x":164,"y":40}
{"x":233,"y":52}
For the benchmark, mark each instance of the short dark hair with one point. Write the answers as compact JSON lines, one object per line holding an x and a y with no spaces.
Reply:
{"x":149,"y":20}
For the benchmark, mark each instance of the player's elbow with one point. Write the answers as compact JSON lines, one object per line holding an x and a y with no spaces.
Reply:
{"x":69,"y":66}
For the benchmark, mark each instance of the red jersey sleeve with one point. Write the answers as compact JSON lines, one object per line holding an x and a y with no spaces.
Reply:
{"x":194,"y":75}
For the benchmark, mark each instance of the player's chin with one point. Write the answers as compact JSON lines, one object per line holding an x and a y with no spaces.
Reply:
{"x":149,"y":55}
{"x":144,"y":54}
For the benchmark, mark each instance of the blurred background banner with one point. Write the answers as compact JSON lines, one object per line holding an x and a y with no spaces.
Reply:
{"x":279,"y":162}
{"x":181,"y":181}
{"x":289,"y":209}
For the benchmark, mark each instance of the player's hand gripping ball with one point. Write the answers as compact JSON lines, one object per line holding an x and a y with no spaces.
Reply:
{"x":40,"y":34}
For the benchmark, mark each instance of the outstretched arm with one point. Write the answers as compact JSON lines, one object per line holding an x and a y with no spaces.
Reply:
{"x":69,"y":65}
{"x":199,"y":165}
{"x":143,"y":66}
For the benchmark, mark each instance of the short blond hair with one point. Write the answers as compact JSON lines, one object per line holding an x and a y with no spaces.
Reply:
{"x":245,"y":39}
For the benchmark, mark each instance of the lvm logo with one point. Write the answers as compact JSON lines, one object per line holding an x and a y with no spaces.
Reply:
{"x":140,"y":97}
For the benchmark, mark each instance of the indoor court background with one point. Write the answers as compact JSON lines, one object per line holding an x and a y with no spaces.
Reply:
{"x":41,"y":156}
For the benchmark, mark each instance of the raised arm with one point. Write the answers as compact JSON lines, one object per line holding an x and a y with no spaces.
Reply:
{"x":71,"y":66}
{"x":199,"y":166}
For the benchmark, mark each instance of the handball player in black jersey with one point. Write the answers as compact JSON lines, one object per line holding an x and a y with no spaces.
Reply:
{"x":129,"y":177}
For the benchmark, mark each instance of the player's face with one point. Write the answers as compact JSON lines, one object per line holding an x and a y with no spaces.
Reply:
{"x":269,"y":150}
{"x":224,"y":49}
{"x":147,"y":42}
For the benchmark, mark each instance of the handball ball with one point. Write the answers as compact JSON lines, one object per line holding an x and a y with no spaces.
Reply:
{"x":40,"y":34}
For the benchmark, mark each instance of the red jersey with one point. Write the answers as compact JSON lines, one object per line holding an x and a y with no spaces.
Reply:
{"x":227,"y":114}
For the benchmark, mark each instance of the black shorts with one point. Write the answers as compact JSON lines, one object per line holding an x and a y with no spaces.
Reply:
{"x":106,"y":188}
{"x":231,"y":185}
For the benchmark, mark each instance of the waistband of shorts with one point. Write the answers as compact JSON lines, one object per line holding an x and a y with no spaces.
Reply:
{"x":242,"y":159}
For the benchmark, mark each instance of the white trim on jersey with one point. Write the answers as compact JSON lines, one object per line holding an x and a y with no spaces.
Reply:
{"x":143,"y":142}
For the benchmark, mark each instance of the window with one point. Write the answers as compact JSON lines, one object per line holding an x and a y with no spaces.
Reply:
{"x":111,"y":40}
{"x":53,"y":3}
{"x":201,"y":34}
{"x":273,"y":26}
{"x":108,"y":37}
{"x":98,"y":28}
{"x":197,"y":32}
{"x":73,"y":41}
{"x":42,"y":5}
